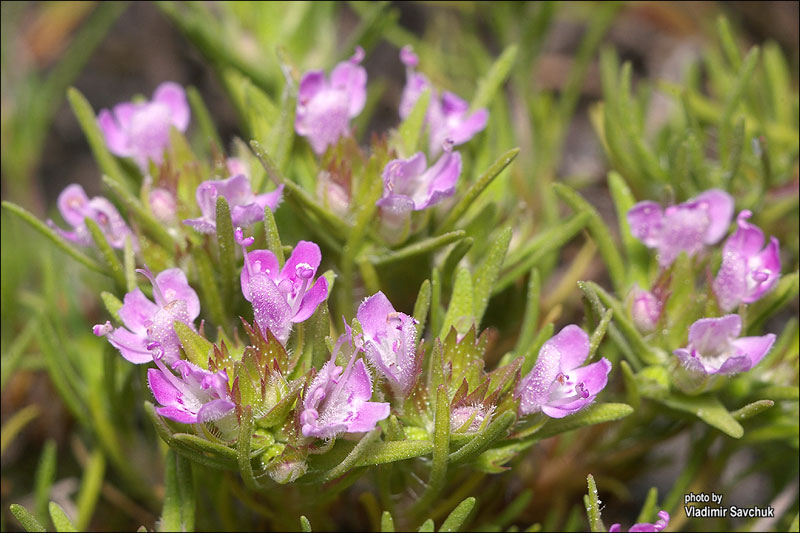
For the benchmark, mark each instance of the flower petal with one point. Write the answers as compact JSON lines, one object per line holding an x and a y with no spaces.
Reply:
{"x":646,"y":220}
{"x":137,"y":312}
{"x":708,"y":335}
{"x":367,"y":415}
{"x":755,"y":347}
{"x":311,"y":300}
{"x":573,"y":345}
{"x":305,"y":252}
{"x":258,"y":262}
{"x":174,"y":286}
{"x":372,"y":314}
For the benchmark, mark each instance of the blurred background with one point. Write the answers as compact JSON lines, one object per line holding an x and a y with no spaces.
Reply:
{"x":113,"y":51}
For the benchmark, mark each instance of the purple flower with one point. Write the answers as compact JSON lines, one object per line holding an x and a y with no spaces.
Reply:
{"x":141,"y":130}
{"x":685,"y":227}
{"x":246,"y":207}
{"x":714,"y":347}
{"x":147,"y":322}
{"x":645,"y":309}
{"x":749,"y":270}
{"x":390,"y":342}
{"x":408,"y":185}
{"x":281,"y":297}
{"x":197,"y":396}
{"x":645,"y":527}
{"x":163,"y":205}
{"x":558,"y":386}
{"x":448,"y":118}
{"x":338,"y":401}
{"x":75,"y":207}
{"x":325,"y":107}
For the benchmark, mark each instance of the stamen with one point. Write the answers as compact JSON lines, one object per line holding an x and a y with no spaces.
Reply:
{"x":158,"y":355}
{"x":160,"y":300}
{"x":238,"y":236}
{"x":760,"y":276}
{"x":582,"y":390}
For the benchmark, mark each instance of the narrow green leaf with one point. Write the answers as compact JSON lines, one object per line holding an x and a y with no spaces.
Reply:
{"x":594,"y":414}
{"x":88,"y":122}
{"x":459,"y":312}
{"x":493,"y":432}
{"x":530,"y":319}
{"x":28,"y":521}
{"x":90,"y":489}
{"x":112,"y":303}
{"x":208,"y":286}
{"x":424,"y":246}
{"x":186,"y":490}
{"x":388,"y":452}
{"x":732,"y":101}
{"x":455,"y":256}
{"x":593,"y":506}
{"x":648,"y":512}
{"x":305,"y":525}
{"x":523,"y":259}
{"x":129,"y":265}
{"x":42,"y":228}
{"x":490,"y":84}
{"x":752,"y":409}
{"x":387,"y":522}
{"x":598,"y":333}
{"x":155,"y":229}
{"x":707,"y":408}
{"x":282,"y":131}
{"x":196,"y":348}
{"x":475,"y":190}
{"x":353,"y":457}
{"x":171,"y":511}
{"x":458,"y":517}
{"x":203,"y":118}
{"x":297,"y":196}
{"x":273,"y":237}
{"x":112,"y":261}
{"x":14,"y":355}
{"x":437,"y":315}
{"x":441,"y":447}
{"x":243,"y":452}
{"x":600,"y":233}
{"x":60,"y":519}
{"x":635,"y":251}
{"x":486,"y":274}
{"x":728,"y":42}
{"x":426,"y":527}
{"x":410,"y":130}
{"x":227,"y":248}
{"x":421,"y":306}
{"x":45,"y":476}
{"x":631,"y":388}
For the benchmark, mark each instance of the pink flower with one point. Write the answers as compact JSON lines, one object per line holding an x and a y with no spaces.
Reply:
{"x":325,"y":107}
{"x":749,"y":270}
{"x":75,"y":207}
{"x":558,"y":385}
{"x":141,"y":130}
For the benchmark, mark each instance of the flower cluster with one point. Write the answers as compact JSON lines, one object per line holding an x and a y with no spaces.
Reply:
{"x":76,"y":207}
{"x":748,"y":271}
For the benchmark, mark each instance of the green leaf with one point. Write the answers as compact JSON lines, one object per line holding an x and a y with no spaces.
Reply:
{"x":421,"y":306}
{"x":752,"y":409}
{"x":305,"y":525}
{"x":635,"y":251}
{"x":441,"y":451}
{"x":45,"y":475}
{"x":456,"y":519}
{"x":208,"y":286}
{"x":486,"y":274}
{"x":525,"y":258}
{"x":648,"y":512}
{"x":593,"y":506}
{"x":459,"y":312}
{"x":598,"y":333}
{"x":600,"y":233}
{"x":475,"y":190}
{"x":493,"y":432}
{"x":227,"y":248}
{"x":155,"y":229}
{"x":707,"y":408}
{"x":594,"y":414}
{"x":491,"y":83}
{"x":424,"y":246}
{"x":389,"y":452}
{"x":90,"y":489}
{"x":60,"y":519}
{"x":273,"y":237}
{"x":42,"y":228}
{"x":112,"y":261}
{"x":203,"y":118}
{"x":631,"y":388}
{"x":171,"y":511}
{"x":387,"y":522}
{"x":88,"y":122}
{"x":530,"y":319}
{"x":353,"y":457}
{"x":196,"y":348}
{"x":426,"y":527}
{"x":28,"y":521}
{"x":410,"y":131}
